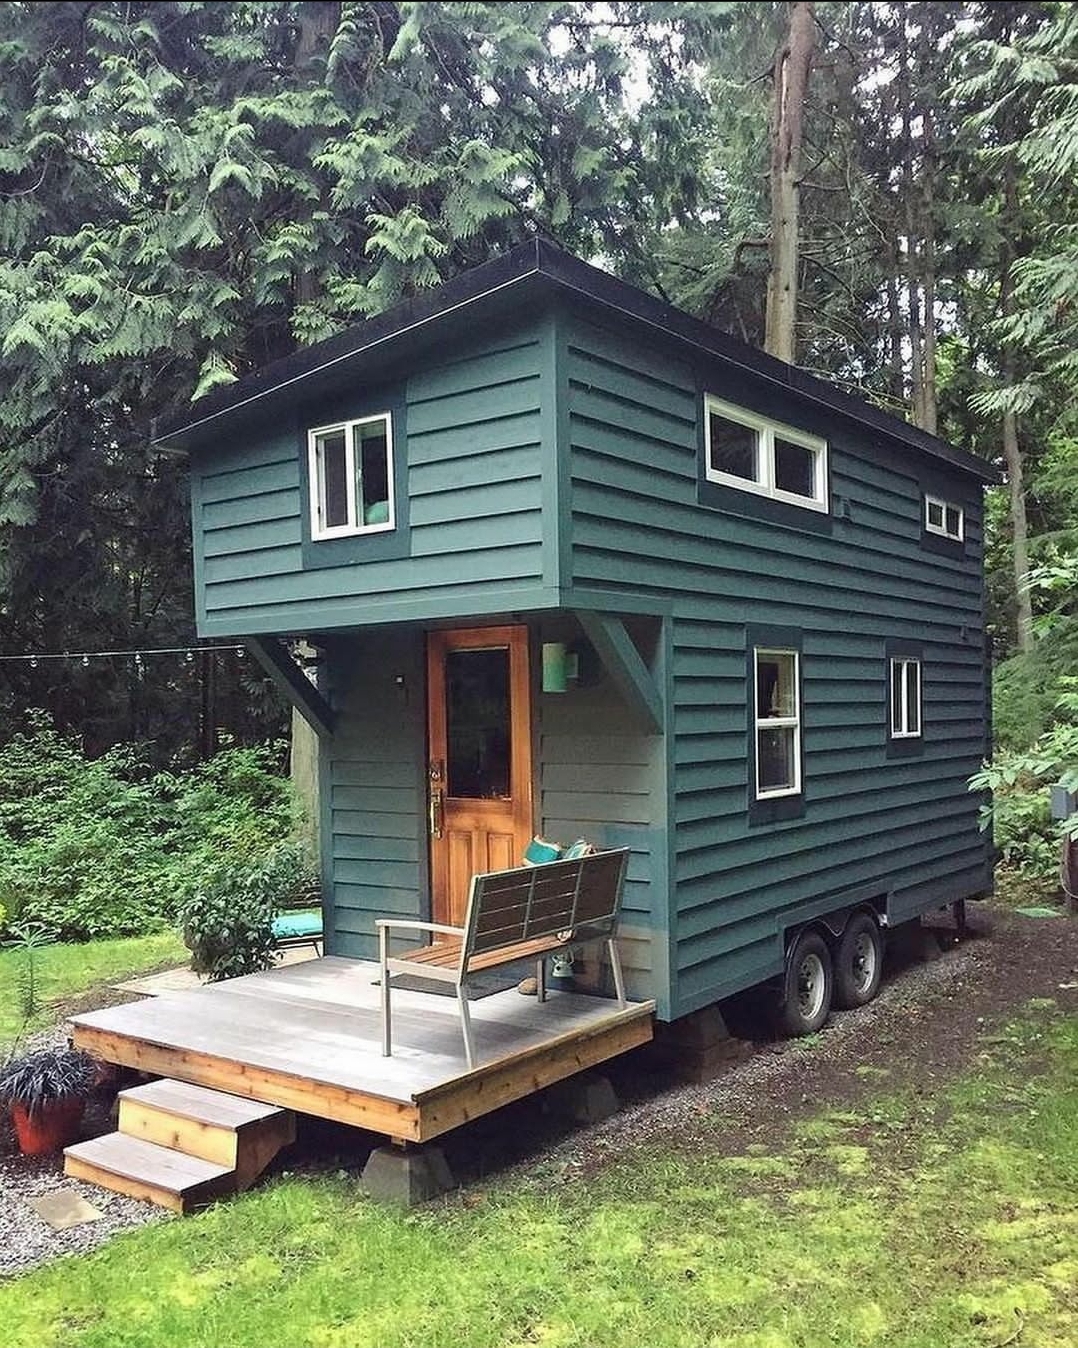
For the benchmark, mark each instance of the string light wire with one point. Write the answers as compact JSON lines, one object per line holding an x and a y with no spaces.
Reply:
{"x":86,"y":656}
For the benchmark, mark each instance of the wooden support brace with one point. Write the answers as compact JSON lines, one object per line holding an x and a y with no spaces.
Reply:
{"x":274,"y":658}
{"x":625,"y":665}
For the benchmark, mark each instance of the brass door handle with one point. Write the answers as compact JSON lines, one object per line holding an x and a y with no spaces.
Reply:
{"x":437,"y":799}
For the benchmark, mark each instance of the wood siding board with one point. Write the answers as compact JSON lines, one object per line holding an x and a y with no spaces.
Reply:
{"x":271,"y":505}
{"x":377,"y":848}
{"x":475,"y":409}
{"x":273,"y":473}
{"x":380,"y":580}
{"x":449,"y":503}
{"x":266,"y":562}
{"x":516,"y":434}
{"x":500,"y":364}
{"x":268,"y":533}
{"x":358,"y":613}
{"x":507,"y":534}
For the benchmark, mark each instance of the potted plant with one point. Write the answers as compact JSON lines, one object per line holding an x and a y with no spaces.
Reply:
{"x":46,"y":1092}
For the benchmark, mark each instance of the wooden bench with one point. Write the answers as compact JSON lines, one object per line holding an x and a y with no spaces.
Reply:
{"x":513,"y":915}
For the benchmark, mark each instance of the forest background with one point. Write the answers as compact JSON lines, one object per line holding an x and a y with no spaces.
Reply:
{"x":884,"y":194}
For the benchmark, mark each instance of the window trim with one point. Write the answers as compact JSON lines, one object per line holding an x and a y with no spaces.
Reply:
{"x":904,"y":661}
{"x":941,"y":530}
{"x":316,"y":479}
{"x":776,"y":723}
{"x":767,"y":431}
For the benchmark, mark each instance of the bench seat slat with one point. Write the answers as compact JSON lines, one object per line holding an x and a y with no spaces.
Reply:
{"x":446,"y":956}
{"x":525,"y":913}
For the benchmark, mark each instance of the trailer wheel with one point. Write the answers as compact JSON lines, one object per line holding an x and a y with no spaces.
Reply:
{"x":806,"y":992}
{"x":858,"y":962}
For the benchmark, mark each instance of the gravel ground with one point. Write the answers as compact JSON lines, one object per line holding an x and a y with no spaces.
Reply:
{"x":924,"y":1028}
{"x":27,"y":1239}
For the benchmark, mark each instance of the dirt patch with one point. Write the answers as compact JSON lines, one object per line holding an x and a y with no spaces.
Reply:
{"x":926,"y":1027}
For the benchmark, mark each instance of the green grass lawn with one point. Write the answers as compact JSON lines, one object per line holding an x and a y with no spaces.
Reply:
{"x":65,"y":971}
{"x":924,"y":1220}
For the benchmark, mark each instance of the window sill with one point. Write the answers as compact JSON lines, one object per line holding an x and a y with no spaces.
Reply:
{"x":360,"y":531}
{"x":745,"y":484}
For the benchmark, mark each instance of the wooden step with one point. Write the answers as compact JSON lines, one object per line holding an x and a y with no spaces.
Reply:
{"x":244,"y":1135}
{"x":129,"y":1165}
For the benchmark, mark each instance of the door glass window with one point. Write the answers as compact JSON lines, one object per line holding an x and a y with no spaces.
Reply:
{"x":477,"y":723}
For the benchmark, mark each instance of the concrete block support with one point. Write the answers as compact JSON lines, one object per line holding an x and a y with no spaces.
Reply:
{"x":585,"y":1099}
{"x":697,"y":1047}
{"x":406,"y":1176}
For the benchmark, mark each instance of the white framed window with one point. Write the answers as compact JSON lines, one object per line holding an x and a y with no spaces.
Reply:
{"x":777,"y":713}
{"x":350,"y":476}
{"x":905,"y":697}
{"x":944,"y":518}
{"x":754,"y":454}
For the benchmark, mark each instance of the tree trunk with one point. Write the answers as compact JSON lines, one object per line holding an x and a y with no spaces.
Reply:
{"x":318,"y":20}
{"x":896,"y":384}
{"x":793,"y":62}
{"x":929,"y":414}
{"x":909,"y":194}
{"x":1012,"y":450}
{"x":303,"y":765}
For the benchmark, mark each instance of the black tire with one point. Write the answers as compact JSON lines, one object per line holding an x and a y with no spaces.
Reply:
{"x":807,"y":986}
{"x":858,"y":962}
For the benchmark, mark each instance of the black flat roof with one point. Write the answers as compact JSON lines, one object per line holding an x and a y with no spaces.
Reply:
{"x":545,"y":267}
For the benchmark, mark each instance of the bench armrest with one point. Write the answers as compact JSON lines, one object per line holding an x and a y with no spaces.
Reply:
{"x":406,"y":924}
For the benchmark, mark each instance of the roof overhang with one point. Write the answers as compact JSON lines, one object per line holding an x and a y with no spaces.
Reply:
{"x":509,"y":283}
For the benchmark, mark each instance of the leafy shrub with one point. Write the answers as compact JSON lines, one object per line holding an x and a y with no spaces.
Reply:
{"x":1020,"y":782}
{"x":108,"y":847}
{"x":227,"y":921}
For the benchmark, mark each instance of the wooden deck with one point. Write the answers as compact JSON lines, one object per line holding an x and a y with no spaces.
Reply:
{"x":307,"y":1037}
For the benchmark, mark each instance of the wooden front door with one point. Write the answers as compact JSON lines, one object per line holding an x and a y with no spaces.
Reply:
{"x":480,"y":768}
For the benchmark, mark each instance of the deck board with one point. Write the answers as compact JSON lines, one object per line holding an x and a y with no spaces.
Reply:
{"x":308,"y":1037}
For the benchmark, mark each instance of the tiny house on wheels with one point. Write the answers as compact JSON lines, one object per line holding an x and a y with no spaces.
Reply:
{"x":576,"y":565}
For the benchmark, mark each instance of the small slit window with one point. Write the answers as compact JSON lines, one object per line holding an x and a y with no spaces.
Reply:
{"x":350,"y":469}
{"x":905,"y":698}
{"x":754,"y":454}
{"x":778,"y":723}
{"x":944,"y":518}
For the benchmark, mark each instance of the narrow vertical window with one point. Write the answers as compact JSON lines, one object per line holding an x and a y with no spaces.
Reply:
{"x":905,"y":698}
{"x":778,"y":723}
{"x":350,"y":469}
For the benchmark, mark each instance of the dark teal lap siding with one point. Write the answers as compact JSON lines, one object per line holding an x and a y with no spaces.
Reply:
{"x":372,"y":784}
{"x":872,"y":825}
{"x":472,"y":435}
